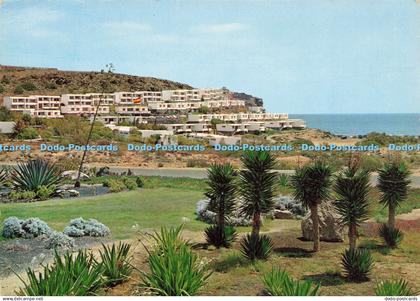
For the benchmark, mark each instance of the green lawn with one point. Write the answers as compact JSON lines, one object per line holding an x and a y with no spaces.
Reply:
{"x":149,"y":208}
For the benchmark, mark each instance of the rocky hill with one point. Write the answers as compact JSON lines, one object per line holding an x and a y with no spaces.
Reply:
{"x":51,"y":81}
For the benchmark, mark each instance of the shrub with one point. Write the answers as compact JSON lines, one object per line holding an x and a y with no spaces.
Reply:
{"x":391,"y":236}
{"x":284,"y":180}
{"x":18,"y":90}
{"x":256,"y":247}
{"x":174,"y":269}
{"x":139,"y":182}
{"x":28,"y":86}
{"x":116,"y":186}
{"x":72,"y":275}
{"x":394,"y":288}
{"x":210,"y":217}
{"x":59,"y":240}
{"x":34,"y":227}
{"x":27,"y":133}
{"x":220,"y":238}
{"x":2,"y":89}
{"x":357,"y":264}
{"x":35,"y":174}
{"x":45,"y":192}
{"x":80,"y":227}
{"x":130,"y":183}
{"x":116,"y":263}
{"x":12,"y":227}
{"x":278,"y":283}
{"x":21,"y":195}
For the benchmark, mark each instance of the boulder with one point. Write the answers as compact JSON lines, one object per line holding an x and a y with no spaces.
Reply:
{"x":72,"y":174}
{"x":282,"y":214}
{"x":73,"y":193}
{"x":330,"y":228}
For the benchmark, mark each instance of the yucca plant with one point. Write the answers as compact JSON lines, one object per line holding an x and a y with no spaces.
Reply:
{"x":391,"y":236}
{"x":357,"y":264}
{"x":397,"y":287}
{"x":35,"y":174}
{"x":221,"y":192}
{"x":219,"y":237}
{"x":168,"y":238}
{"x":311,"y":184}
{"x":257,"y":184}
{"x":278,"y":282}
{"x":256,"y":247}
{"x":393,"y":184}
{"x":284,"y":180}
{"x":352,"y":188}
{"x":116,"y":263}
{"x":71,"y":275}
{"x":174,"y":269}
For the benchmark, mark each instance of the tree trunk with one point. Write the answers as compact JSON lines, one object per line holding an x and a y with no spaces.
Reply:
{"x":315,"y":225}
{"x":352,"y":236}
{"x":256,"y":224}
{"x":391,"y":216}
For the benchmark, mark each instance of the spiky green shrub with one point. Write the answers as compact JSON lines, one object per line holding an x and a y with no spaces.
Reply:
{"x":284,"y":180}
{"x":357,"y":264}
{"x":391,"y":236}
{"x":116,"y":263}
{"x":70,"y":275}
{"x":3,"y":176}
{"x":174,"y":269}
{"x":256,"y":246}
{"x":278,"y":282}
{"x":397,"y":287}
{"x":220,"y":237}
{"x":34,"y":175}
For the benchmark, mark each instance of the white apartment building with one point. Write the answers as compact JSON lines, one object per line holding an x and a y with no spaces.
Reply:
{"x":42,"y":106}
{"x":133,"y":110}
{"x":81,"y":104}
{"x":193,"y":95}
{"x":127,"y":98}
{"x":233,"y":117}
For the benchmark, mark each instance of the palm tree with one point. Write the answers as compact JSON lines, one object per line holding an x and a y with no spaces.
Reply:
{"x":311,"y":184}
{"x":221,"y":191}
{"x":393,"y":184}
{"x":257,"y":182}
{"x":352,"y":188}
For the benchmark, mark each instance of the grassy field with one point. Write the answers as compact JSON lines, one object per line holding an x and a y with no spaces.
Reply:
{"x":148,"y":208}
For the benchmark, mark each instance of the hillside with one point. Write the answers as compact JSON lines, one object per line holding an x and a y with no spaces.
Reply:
{"x":51,"y":81}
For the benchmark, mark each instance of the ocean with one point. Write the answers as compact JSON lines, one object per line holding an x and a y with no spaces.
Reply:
{"x":361,"y":124}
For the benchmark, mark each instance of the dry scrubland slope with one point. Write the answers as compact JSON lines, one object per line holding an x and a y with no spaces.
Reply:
{"x":51,"y":81}
{"x":55,"y":82}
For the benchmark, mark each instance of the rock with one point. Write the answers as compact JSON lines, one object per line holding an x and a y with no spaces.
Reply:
{"x":330,"y":229}
{"x":73,"y":193}
{"x":72,"y":174}
{"x":282,"y":214}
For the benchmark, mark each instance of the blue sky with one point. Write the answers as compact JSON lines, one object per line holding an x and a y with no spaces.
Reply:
{"x":300,"y":56}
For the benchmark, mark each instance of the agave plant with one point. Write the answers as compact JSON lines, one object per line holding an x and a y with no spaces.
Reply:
{"x":72,"y":275}
{"x":220,"y":237}
{"x":34,"y":175}
{"x":277,"y":282}
{"x":357,"y":264}
{"x":397,"y":287}
{"x":256,"y":247}
{"x":3,"y":176}
{"x":174,"y":269}
{"x":391,"y":236}
{"x":116,"y":263}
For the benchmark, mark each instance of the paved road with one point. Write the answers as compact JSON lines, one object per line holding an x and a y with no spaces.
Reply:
{"x":200,"y":173}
